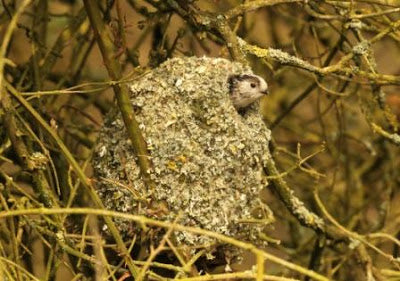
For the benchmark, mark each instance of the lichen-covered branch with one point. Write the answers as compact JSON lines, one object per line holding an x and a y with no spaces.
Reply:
{"x":254,"y":5}
{"x":338,"y":68}
{"x":295,"y":206}
{"x":394,"y":138}
{"x":121,"y":91}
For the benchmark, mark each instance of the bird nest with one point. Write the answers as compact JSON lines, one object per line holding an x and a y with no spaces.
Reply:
{"x":207,"y":158}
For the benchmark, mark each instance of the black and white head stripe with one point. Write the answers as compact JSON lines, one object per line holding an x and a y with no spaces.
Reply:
{"x":245,"y":89}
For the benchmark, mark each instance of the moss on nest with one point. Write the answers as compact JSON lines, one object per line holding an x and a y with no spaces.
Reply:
{"x":207,"y":159}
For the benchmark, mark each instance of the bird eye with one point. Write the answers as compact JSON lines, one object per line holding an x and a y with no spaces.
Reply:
{"x":253,"y":85}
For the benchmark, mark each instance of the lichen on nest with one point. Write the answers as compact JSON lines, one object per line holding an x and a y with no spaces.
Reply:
{"x":207,"y":159}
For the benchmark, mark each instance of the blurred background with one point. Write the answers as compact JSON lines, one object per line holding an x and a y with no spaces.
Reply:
{"x":333,"y":109}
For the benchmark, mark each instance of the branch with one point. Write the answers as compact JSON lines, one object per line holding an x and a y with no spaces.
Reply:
{"x":81,"y":175}
{"x":338,"y":68}
{"x":106,"y":45}
{"x":293,"y":204}
{"x":217,"y":24}
{"x":394,"y":138}
{"x":254,"y":5}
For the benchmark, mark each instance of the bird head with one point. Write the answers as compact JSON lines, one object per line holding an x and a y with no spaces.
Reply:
{"x":245,"y":89}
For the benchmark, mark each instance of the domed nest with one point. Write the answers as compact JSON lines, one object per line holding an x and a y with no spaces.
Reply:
{"x":207,"y":158}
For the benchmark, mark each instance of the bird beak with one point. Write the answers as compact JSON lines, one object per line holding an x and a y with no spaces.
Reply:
{"x":266,"y":92}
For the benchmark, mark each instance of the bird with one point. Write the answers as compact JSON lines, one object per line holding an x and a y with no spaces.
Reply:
{"x":246,"y":89}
